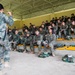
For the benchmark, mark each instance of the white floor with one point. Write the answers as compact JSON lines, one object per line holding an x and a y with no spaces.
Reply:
{"x":30,"y":64}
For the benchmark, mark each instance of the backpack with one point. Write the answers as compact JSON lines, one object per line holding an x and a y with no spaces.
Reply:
{"x":59,"y":45}
{"x":44,"y":55}
{"x":68,"y":58}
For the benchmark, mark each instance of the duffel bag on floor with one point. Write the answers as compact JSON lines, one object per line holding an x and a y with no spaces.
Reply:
{"x":68,"y":58}
{"x":44,"y":55}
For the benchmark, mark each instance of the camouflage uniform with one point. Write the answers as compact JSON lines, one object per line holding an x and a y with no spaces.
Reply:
{"x":28,"y":40}
{"x":21,"y":40}
{"x":69,"y":26}
{"x":50,"y":40}
{"x":63,"y":30}
{"x":10,"y":36}
{"x":73,"y":26}
{"x":16,"y":38}
{"x":38,"y":40}
{"x":58,"y":32}
{"x":5,"y":47}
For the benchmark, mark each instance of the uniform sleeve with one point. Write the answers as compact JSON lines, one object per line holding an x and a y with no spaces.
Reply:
{"x":8,"y":20}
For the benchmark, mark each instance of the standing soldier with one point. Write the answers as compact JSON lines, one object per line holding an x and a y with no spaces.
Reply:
{"x":4,"y":43}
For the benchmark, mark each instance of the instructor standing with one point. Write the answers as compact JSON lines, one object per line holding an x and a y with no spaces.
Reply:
{"x":4,"y":43}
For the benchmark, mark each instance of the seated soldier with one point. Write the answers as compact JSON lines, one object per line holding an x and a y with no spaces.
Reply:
{"x":38,"y":38}
{"x":58,"y":32}
{"x":73,"y":27}
{"x":50,"y":41}
{"x":54,"y":28}
{"x":63,"y":29}
{"x":20,"y":45}
{"x":21,"y":38}
{"x":69,"y":26}
{"x":15,"y":40}
{"x":41,"y":30}
{"x":28,"y":41}
{"x":25,"y":32}
{"x":10,"y":34}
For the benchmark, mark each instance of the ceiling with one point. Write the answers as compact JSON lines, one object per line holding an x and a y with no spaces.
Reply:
{"x":23,"y":9}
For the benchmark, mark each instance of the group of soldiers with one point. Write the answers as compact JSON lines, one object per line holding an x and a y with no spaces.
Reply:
{"x":45,"y":34}
{"x":32,"y":40}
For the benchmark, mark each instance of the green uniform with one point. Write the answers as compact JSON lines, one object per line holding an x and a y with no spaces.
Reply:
{"x":51,"y":41}
{"x":28,"y":41}
{"x":63,"y":30}
{"x":15,"y":40}
{"x":69,"y":24}
{"x":38,"y":40}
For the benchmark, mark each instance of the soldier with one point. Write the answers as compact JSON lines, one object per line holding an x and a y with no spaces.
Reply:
{"x":20,"y":44}
{"x":49,"y":27}
{"x":72,"y":17}
{"x":63,"y":29}
{"x":42,"y":32}
{"x":50,"y":41}
{"x":54,"y":28}
{"x":10,"y":35}
{"x":58,"y":32}
{"x":28,"y":39}
{"x":46,"y":24}
{"x":25,"y":32}
{"x":73,"y":27}
{"x":16,"y":38}
{"x":25,"y":27}
{"x":69,"y":26}
{"x":44,"y":29}
{"x":38,"y":38}
{"x":4,"y":53}
{"x":21,"y":38}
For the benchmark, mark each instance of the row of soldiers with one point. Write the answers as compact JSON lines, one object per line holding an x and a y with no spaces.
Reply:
{"x":36,"y":39}
{"x":62,"y":27}
{"x":45,"y":34}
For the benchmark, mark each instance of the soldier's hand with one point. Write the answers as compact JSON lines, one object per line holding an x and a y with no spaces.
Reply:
{"x":9,"y":13}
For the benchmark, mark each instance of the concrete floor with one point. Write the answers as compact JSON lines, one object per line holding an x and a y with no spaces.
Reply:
{"x":30,"y":64}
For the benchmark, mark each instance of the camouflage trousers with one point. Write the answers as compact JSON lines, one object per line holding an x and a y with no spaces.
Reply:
{"x":51,"y":45}
{"x":5,"y":48}
{"x":28,"y":43}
